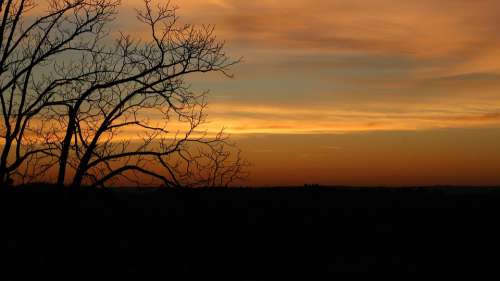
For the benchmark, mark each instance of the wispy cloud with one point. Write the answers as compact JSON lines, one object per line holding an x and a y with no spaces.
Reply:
{"x":241,"y":119}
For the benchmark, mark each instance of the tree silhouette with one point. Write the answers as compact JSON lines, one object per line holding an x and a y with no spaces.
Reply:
{"x":99,"y":108}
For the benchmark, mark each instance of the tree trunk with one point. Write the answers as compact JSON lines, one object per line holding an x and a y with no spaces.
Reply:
{"x":83,"y":166}
{"x":4,"y":180}
{"x":63,"y":160}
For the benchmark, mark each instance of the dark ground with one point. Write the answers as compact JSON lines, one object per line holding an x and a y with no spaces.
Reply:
{"x":245,"y":234}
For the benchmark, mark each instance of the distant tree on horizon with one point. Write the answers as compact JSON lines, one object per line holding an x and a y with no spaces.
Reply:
{"x":97,"y":108}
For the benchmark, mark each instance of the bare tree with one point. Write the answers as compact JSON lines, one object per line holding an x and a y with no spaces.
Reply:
{"x":29,"y":46}
{"x":103,"y":109}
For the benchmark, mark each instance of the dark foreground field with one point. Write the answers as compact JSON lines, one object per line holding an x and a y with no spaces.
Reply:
{"x":243,"y":234}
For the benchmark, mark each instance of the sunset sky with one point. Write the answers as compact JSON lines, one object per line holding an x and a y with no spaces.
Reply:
{"x":356,"y":92}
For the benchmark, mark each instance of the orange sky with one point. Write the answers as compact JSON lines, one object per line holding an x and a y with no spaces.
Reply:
{"x":361,"y":92}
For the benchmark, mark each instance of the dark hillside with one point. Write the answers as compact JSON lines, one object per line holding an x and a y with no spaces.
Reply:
{"x":247,"y":234}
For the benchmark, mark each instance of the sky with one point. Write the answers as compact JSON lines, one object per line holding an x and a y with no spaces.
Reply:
{"x":356,"y":92}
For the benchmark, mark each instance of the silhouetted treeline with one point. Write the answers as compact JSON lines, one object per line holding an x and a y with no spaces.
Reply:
{"x":248,"y":234}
